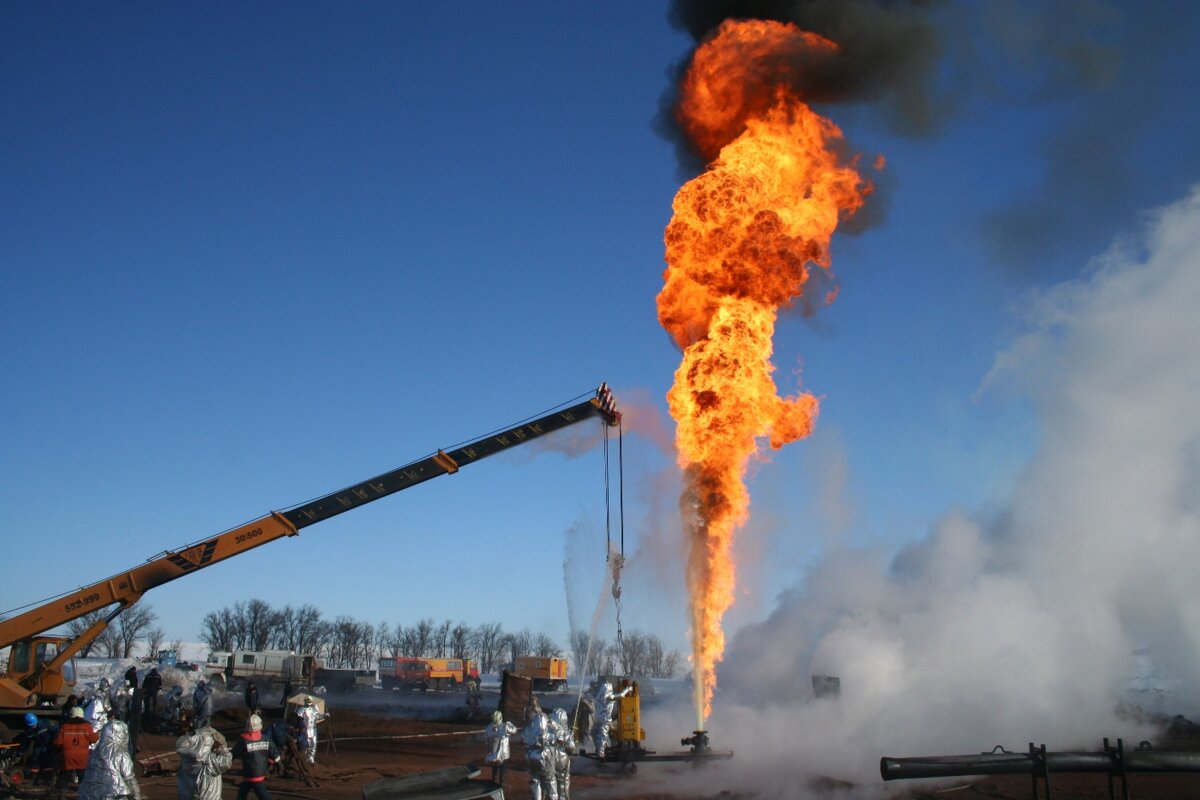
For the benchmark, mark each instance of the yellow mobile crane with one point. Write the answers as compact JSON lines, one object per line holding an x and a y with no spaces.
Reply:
{"x":41,"y":665}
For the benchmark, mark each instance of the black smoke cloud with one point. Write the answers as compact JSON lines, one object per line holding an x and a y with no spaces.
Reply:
{"x":1100,"y":67}
{"x":889,"y":56}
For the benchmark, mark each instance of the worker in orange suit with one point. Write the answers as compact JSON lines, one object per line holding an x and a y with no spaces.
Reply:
{"x":74,"y":742}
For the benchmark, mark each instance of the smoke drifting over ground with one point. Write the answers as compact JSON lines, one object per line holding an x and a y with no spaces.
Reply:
{"x":1022,"y":627}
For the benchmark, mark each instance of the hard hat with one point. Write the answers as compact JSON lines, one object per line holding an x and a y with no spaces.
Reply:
{"x":31,"y":719}
{"x":255,"y":723}
{"x":497,"y":717}
{"x":76,"y":711}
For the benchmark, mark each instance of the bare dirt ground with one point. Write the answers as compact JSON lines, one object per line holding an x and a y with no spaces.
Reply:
{"x":373,"y":741}
{"x":365,"y":747}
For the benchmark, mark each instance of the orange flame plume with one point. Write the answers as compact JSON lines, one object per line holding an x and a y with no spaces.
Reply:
{"x":739,"y":247}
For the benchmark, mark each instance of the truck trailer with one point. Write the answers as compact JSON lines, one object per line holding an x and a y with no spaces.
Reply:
{"x":547,"y":672}
{"x":265,"y":667}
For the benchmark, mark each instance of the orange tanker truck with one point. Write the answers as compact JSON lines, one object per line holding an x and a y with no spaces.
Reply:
{"x":451,"y":673}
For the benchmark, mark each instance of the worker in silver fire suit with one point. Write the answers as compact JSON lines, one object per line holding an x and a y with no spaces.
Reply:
{"x":109,"y":774}
{"x":119,"y":697}
{"x":310,"y":715}
{"x":539,"y":753}
{"x":604,"y":701}
{"x":98,"y":707}
{"x":173,"y":704}
{"x":202,"y":705}
{"x":497,"y":735}
{"x":564,"y":747}
{"x":203,"y":756}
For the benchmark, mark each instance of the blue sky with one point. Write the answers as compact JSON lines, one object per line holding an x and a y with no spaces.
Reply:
{"x":256,"y":252}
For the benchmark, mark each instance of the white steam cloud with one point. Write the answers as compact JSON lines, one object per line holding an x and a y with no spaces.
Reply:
{"x":1031,"y":625}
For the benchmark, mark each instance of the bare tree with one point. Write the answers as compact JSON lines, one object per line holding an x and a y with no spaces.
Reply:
{"x":638,"y":654}
{"x":486,"y":641}
{"x":460,"y":641}
{"x":654,"y":656}
{"x":299,"y":629}
{"x":397,"y":641}
{"x":132,"y":624}
{"x":154,"y":639}
{"x":631,"y":653}
{"x":217,"y":629}
{"x":322,"y":639}
{"x":383,"y":635}
{"x":77,"y":626}
{"x":108,"y":643}
{"x":590,"y":653}
{"x":422,"y":637}
{"x":670,"y":664}
{"x":518,"y":644}
{"x":545,"y":647}
{"x":609,"y":658}
{"x":257,"y":621}
{"x":441,"y":640}
{"x":347,"y":641}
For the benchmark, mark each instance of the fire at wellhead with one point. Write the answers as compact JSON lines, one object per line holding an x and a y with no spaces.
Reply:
{"x":742,"y":244}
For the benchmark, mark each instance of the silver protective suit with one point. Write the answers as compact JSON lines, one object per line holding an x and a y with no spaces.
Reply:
{"x":109,"y":773}
{"x":564,"y":747}
{"x":604,"y":701}
{"x":202,"y":706}
{"x":119,"y":699}
{"x":203,"y":756}
{"x":174,"y":703}
{"x":497,"y":735}
{"x":539,"y":756}
{"x":311,"y":716}
{"x":97,"y":708}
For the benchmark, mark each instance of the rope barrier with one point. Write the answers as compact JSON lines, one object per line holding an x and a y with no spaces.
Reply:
{"x":409,"y":736}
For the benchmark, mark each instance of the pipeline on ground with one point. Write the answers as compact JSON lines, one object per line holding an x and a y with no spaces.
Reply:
{"x":1114,"y":761}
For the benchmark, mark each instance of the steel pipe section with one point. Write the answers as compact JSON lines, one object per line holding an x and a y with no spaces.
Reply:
{"x":1004,"y":763}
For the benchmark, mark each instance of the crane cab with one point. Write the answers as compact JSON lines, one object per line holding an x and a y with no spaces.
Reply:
{"x":28,"y":681}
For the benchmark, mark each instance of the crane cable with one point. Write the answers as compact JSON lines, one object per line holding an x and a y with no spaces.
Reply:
{"x":615,"y":560}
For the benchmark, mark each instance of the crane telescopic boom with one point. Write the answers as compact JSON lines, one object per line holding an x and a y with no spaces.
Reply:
{"x":35,"y":671}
